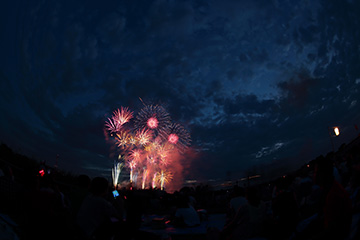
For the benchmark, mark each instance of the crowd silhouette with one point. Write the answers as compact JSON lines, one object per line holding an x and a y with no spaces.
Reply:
{"x":321,"y":200}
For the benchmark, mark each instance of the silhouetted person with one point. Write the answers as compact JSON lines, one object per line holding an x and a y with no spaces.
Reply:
{"x":9,"y":191}
{"x":45,"y":212}
{"x":237,"y":200}
{"x":336,"y":207}
{"x":248,"y":221}
{"x":80,"y":191}
{"x":334,"y":216}
{"x":135,"y":207}
{"x":97,"y":217}
{"x":285,"y":209}
{"x":185,"y":214}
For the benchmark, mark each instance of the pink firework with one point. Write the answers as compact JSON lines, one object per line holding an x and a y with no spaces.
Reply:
{"x":135,"y":155}
{"x":173,"y":138}
{"x":122,"y":116}
{"x":155,"y":118}
{"x":179,"y":136}
{"x":152,"y":123}
{"x":112,"y":126}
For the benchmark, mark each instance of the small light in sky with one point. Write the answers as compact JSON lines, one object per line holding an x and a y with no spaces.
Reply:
{"x":336,"y":131}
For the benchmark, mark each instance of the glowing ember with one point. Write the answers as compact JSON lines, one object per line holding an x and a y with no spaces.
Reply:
{"x":152,"y":123}
{"x":173,"y":138}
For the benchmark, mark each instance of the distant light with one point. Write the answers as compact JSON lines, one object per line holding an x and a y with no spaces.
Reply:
{"x":336,"y":131}
{"x":255,"y":176}
{"x":42,"y":172}
{"x":308,"y":165}
{"x":191,"y":181}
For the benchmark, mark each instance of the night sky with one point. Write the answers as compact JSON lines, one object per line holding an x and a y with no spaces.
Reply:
{"x":256,"y":83}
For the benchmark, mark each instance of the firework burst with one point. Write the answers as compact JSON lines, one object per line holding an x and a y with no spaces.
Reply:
{"x":178,"y":136}
{"x":118,"y":119}
{"x":143,"y":136}
{"x":112,"y":126}
{"x":123,"y":139}
{"x":122,"y":116}
{"x":155,"y":118}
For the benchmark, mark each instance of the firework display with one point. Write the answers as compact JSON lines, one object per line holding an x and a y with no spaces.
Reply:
{"x":116,"y":170}
{"x":147,"y":143}
{"x":155,"y":118}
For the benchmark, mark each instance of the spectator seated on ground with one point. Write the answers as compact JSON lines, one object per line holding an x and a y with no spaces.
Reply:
{"x":185,"y":214}
{"x":248,"y":221}
{"x":334,"y":217}
{"x":237,"y":201}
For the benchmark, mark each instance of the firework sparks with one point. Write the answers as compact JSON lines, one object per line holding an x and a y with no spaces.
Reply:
{"x":153,"y":117}
{"x":135,"y":155}
{"x":179,"y":136}
{"x":116,"y":172}
{"x":132,"y":140}
{"x":152,"y":123}
{"x":173,"y":138}
{"x":122,"y":116}
{"x":143,"y":136}
{"x":112,"y":126}
{"x":165,"y":177}
{"x":153,"y":184}
{"x":132,"y":165}
{"x":118,"y":119}
{"x":122,"y":139}
{"x":145,"y":171}
{"x":163,"y":152}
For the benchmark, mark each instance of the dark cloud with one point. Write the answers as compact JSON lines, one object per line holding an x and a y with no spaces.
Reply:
{"x":298,"y":89}
{"x":256,"y":83}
